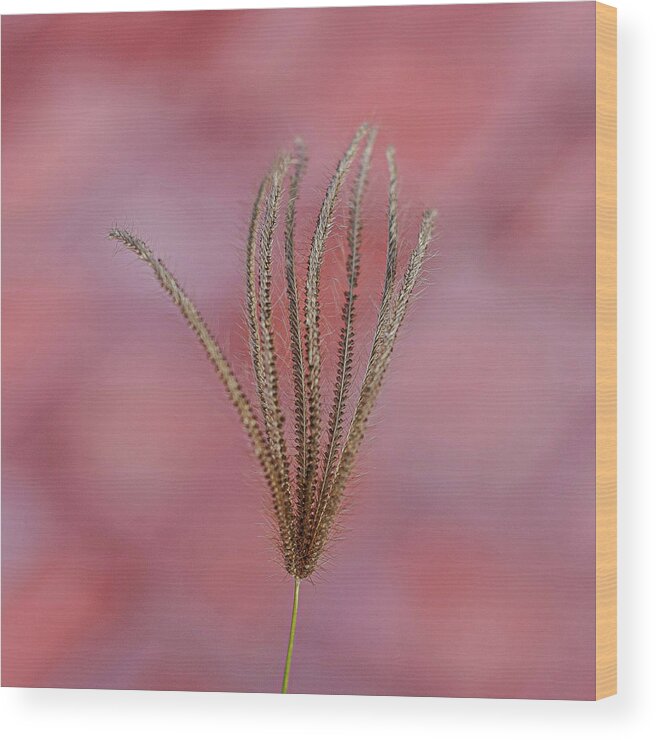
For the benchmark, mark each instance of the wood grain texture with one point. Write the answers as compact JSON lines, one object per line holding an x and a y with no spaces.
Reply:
{"x":606,"y":351}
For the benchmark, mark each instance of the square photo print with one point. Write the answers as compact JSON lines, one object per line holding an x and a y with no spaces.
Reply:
{"x":309,"y":350}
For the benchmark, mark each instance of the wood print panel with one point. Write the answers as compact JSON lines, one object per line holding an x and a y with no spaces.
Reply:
{"x":475,"y":555}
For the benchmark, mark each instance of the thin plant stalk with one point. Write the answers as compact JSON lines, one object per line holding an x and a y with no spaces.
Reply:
{"x":292,"y":635}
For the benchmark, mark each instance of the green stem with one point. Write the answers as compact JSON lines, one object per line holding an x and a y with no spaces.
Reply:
{"x":292,"y":632}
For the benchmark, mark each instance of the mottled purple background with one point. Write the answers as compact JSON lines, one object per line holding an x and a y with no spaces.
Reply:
{"x":136,"y":553}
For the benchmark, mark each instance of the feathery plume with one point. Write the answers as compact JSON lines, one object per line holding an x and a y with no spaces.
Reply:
{"x":306,"y":505}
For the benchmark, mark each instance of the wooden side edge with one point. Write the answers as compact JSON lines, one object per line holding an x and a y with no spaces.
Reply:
{"x":606,"y":352}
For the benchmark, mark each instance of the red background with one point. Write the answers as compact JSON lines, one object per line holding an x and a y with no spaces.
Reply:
{"x":136,"y":552}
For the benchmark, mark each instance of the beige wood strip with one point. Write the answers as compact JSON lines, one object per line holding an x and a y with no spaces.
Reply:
{"x":606,"y":351}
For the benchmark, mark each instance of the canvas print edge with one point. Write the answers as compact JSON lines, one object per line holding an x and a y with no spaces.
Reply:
{"x":606,"y":351}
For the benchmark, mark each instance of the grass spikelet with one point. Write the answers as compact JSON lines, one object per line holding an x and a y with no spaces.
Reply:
{"x":295,"y":330}
{"x":271,"y":411}
{"x":392,"y":253}
{"x":252,"y":317}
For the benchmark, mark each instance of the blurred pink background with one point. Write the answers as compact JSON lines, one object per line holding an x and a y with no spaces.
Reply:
{"x":136,"y":552}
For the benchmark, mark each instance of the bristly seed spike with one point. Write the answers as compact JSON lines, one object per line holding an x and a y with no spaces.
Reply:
{"x":296,"y":336}
{"x":307,"y":500}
